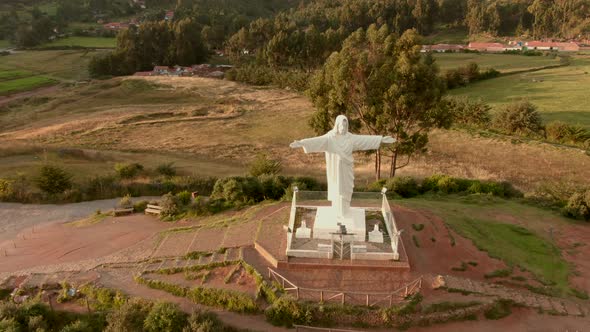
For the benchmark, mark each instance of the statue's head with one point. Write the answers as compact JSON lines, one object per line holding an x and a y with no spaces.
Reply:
{"x":341,"y":125}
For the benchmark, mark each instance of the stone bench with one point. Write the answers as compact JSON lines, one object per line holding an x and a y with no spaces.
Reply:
{"x":153,"y":209}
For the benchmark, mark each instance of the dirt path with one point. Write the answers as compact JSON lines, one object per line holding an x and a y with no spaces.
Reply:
{"x":15,"y":217}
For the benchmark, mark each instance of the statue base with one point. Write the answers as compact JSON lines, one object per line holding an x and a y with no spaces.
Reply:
{"x":326,"y":223}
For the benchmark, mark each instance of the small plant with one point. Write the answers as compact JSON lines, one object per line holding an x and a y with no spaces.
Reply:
{"x":415,"y":239}
{"x":262,"y":165}
{"x":432,"y":239}
{"x":166,"y":169}
{"x":519,"y":118}
{"x":500,"y":308}
{"x":452,"y":239}
{"x":140,"y":206}
{"x":128,"y":170}
{"x":418,"y":227}
{"x":205,"y":276}
{"x":518,"y":278}
{"x":126,"y":202}
{"x":502,"y":273}
{"x":472,"y":263}
{"x":184,"y":198}
{"x":461,"y":268}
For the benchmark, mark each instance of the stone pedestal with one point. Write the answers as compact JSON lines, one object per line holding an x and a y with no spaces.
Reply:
{"x":303,"y":232}
{"x":375,"y":235}
{"x":326,"y":222}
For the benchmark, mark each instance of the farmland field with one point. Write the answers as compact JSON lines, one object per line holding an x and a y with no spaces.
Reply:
{"x":24,"y":84}
{"x":89,"y":42}
{"x":559,"y":93}
{"x":504,"y":63}
{"x":4,"y":43}
{"x":59,"y":65}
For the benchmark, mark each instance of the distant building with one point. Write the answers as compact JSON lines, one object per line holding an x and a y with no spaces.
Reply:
{"x":143,"y":73}
{"x":440,"y":48}
{"x":115,"y":26}
{"x":161,"y":70}
{"x":169,"y":15}
{"x":553,"y":46}
{"x":486,"y":47}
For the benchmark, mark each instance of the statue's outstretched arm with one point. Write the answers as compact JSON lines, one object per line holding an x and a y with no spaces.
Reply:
{"x":314,"y":144}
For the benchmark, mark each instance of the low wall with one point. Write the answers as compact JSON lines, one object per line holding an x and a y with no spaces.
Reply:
{"x":309,"y":254}
{"x":264,"y":253}
{"x":374,"y":256}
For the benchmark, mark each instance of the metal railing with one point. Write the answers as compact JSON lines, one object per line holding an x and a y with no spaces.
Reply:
{"x":343,"y":297}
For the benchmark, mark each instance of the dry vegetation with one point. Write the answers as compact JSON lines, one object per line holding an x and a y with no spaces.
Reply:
{"x":213,"y":127}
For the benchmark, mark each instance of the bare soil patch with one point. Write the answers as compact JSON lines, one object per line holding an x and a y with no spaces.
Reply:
{"x":60,"y":243}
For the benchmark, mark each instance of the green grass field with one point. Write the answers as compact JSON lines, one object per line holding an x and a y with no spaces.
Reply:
{"x":559,"y":93}
{"x":90,"y":42}
{"x":448,"y":36}
{"x":6,"y":75}
{"x":24,"y":84}
{"x":504,"y":63}
{"x":526,"y":244}
{"x":59,"y":65}
{"x":4,"y":43}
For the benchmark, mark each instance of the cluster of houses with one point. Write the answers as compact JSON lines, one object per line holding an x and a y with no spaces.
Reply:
{"x":203,"y":70}
{"x":511,"y":46}
{"x":116,"y":26}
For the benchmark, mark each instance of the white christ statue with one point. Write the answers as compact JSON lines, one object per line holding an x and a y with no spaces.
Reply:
{"x":338,"y":145}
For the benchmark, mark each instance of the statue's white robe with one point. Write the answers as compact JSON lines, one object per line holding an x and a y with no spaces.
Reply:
{"x":339,"y":161}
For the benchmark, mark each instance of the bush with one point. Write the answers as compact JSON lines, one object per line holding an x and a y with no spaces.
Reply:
{"x":130,"y":317}
{"x":469,"y":113}
{"x":6,"y":189}
{"x":404,"y":186}
{"x":125,"y":202}
{"x":184,"y":198}
{"x":561,"y":132}
{"x":169,"y":204}
{"x":140,"y":206}
{"x":53,"y":180}
{"x":578,"y":206}
{"x":500,"y":309}
{"x":165,"y":317}
{"x":128,"y":170}
{"x":262,"y":165}
{"x":166,"y":169}
{"x":238,"y":190}
{"x":519,"y":118}
{"x":286,"y":311}
{"x":204,"y":321}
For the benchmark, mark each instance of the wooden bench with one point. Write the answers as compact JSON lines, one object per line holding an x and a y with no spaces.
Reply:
{"x":153,"y":209}
{"x":122,"y":211}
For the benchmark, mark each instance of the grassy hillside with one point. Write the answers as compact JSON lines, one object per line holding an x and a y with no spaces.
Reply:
{"x":213,"y":127}
{"x":559,"y":93}
{"x":520,"y":235}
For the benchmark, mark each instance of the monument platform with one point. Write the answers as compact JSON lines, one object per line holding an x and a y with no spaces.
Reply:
{"x":326,"y":222}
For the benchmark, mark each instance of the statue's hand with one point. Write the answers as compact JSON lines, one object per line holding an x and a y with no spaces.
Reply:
{"x":295,"y":144}
{"x":388,"y":140}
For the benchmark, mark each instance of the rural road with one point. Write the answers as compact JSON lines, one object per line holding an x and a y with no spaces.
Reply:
{"x":14,"y":217}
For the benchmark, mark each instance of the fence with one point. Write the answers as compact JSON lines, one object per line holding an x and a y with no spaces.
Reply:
{"x":343,"y":297}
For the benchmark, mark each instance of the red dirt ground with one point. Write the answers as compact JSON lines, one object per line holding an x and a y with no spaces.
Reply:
{"x":440,"y":256}
{"x":61,"y":243}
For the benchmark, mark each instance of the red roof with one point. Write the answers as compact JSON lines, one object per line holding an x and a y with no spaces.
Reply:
{"x":485,"y":45}
{"x":161,"y":68}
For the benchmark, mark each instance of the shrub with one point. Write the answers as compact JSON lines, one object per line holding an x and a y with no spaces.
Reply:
{"x":404,"y":186}
{"x":165,"y":317}
{"x":130,"y":317}
{"x":447,"y":185}
{"x":561,"y":132}
{"x":418,"y":227}
{"x":53,"y":180}
{"x":519,"y":118}
{"x":204,"y":321}
{"x":128,"y":170}
{"x":140,"y":206}
{"x":6,"y":189}
{"x":238,"y":190}
{"x":184,"y":198}
{"x":469,"y":113}
{"x":578,"y":206}
{"x":166,"y":169}
{"x":125,"y":202}
{"x":502,"y":273}
{"x":286,"y":311}
{"x":169,"y":204}
{"x":501,"y":308}
{"x":77,"y":326}
{"x":262,"y":165}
